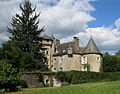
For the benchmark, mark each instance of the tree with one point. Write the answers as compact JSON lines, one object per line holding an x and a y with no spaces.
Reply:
{"x":111,"y":63}
{"x":17,"y":58}
{"x":26,"y":35}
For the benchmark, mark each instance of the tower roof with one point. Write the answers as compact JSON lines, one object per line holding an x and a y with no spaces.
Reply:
{"x":91,"y":47}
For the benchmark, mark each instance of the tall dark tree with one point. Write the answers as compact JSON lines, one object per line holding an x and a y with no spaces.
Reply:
{"x":17,"y":58}
{"x":25,"y":34}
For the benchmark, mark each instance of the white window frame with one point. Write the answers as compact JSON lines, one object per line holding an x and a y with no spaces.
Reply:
{"x":98,"y":59}
{"x":84,"y":60}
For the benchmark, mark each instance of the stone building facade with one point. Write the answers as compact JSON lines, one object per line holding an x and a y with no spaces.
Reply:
{"x":71,"y":56}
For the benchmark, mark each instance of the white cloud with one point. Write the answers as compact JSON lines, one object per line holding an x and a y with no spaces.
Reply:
{"x":117,"y":24}
{"x":64,"y":19}
{"x":67,"y":17}
{"x":106,"y":38}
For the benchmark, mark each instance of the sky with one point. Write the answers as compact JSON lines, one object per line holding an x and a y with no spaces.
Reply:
{"x":66,"y":19}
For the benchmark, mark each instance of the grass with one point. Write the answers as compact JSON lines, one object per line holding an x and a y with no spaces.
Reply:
{"x":86,"y":88}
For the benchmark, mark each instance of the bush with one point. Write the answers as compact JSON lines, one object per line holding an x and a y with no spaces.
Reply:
{"x":65,"y":84}
{"x":2,"y":91}
{"x":114,"y":75}
{"x":9,"y":77}
{"x":21,"y":83}
{"x":76,"y":77}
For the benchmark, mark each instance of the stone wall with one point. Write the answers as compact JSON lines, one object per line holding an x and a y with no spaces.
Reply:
{"x":92,"y":60}
{"x":33,"y":79}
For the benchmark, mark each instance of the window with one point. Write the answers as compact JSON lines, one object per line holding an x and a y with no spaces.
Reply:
{"x":47,"y":52}
{"x":55,"y":61}
{"x":98,"y":59}
{"x":61,"y":59}
{"x":51,"y":66}
{"x":61,"y":69}
{"x":84,"y":60}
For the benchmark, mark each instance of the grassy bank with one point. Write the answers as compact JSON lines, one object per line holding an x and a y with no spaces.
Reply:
{"x":86,"y":88}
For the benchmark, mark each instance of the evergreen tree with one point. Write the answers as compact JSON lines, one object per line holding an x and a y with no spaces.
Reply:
{"x":26,"y":34}
{"x":17,"y":58}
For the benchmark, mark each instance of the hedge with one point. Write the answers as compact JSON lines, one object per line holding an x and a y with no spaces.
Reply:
{"x":76,"y":77}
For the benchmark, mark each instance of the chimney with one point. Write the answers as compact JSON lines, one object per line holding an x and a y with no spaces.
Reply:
{"x":76,"y":43}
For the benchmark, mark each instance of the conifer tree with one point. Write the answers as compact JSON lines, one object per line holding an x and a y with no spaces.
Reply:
{"x":25,"y":34}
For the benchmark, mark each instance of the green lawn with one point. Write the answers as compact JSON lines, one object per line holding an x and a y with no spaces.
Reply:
{"x":86,"y":88}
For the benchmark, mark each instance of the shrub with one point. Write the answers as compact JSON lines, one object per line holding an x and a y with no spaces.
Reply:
{"x":9,"y":77}
{"x":21,"y":83}
{"x":2,"y":91}
{"x":76,"y":77}
{"x":65,"y":84}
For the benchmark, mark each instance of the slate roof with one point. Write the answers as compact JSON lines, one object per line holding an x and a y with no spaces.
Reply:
{"x":91,"y":47}
{"x":63,"y":48}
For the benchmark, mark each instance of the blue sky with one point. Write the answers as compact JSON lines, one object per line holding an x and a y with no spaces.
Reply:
{"x":107,"y":11}
{"x":68,"y":18}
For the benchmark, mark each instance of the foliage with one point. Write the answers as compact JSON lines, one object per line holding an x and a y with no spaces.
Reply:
{"x":65,"y":84}
{"x":2,"y":91}
{"x":111,"y":63}
{"x":8,"y":76}
{"x":17,"y":58}
{"x":76,"y":77}
{"x":114,"y":75}
{"x":87,"y":66}
{"x":26,"y":35}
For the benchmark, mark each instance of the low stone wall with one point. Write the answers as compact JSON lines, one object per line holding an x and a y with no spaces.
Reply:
{"x":31,"y":78}
{"x":34,"y":78}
